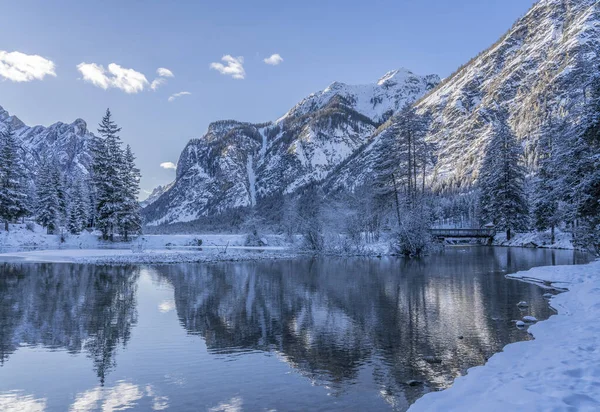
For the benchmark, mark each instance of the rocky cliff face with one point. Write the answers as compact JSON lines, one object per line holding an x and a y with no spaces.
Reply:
{"x":236,"y":164}
{"x":67,"y":143}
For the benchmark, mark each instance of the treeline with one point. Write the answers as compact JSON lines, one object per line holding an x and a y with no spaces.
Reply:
{"x":104,"y":198}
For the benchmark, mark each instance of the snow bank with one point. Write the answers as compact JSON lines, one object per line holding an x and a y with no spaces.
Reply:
{"x":562,"y":240}
{"x":559,"y":370}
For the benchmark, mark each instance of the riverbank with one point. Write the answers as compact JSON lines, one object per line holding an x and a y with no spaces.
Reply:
{"x":559,"y":370}
{"x":157,"y":256}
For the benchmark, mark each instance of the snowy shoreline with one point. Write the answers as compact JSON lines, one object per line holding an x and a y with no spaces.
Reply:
{"x":558,"y":370}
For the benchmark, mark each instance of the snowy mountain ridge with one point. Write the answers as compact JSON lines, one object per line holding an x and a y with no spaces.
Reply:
{"x":68,"y":144}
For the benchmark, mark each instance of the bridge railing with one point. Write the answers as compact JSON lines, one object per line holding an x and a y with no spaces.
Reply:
{"x":463,"y":232}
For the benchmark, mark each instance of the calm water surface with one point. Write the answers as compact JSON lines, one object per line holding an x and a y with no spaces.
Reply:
{"x":328,"y":334}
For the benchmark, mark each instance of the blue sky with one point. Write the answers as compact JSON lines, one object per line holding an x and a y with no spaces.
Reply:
{"x":319,"y":42}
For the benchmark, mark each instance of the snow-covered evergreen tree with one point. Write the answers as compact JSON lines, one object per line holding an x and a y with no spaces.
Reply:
{"x":108,"y":177}
{"x":78,"y":208}
{"x":545,"y":197}
{"x":130,"y":223}
{"x":501,"y":180}
{"x":47,"y":211}
{"x":13,"y":184}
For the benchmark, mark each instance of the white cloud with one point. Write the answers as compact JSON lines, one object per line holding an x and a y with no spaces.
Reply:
{"x":176,"y":95}
{"x":156,"y":83}
{"x":162,"y":72}
{"x":234,"y":67}
{"x":274,"y":60}
{"x":20,"y":67}
{"x":128,"y":80}
{"x":162,"y":77}
{"x":168,"y":165}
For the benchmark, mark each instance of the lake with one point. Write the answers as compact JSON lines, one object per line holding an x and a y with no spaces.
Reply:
{"x":304,"y":334}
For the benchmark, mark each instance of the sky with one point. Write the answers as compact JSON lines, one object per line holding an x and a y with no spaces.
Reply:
{"x":167,"y":69}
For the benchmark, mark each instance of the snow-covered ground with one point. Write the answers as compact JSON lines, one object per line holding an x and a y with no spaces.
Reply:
{"x":562,"y":240}
{"x":35,"y":245}
{"x":558,"y":371}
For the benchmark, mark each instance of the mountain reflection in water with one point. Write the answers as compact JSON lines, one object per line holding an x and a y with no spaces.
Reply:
{"x":354,"y":333}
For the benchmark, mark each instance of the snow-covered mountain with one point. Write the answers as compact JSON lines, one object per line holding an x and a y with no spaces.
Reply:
{"x":538,"y":71}
{"x":235,"y":163}
{"x":67,"y":143}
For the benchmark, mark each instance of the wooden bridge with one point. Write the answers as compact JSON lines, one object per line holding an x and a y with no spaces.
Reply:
{"x":463,"y":233}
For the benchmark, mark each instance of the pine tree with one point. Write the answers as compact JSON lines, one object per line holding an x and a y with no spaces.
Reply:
{"x":545,"y":198}
{"x":107,"y":171}
{"x":78,"y":209}
{"x":47,"y":211}
{"x":130,"y":221}
{"x":501,"y":180}
{"x":588,"y":211}
{"x":402,"y":156}
{"x":13,"y":184}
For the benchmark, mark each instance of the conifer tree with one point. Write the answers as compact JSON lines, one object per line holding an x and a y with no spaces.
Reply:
{"x":501,"y":180}
{"x":78,"y":208}
{"x":13,"y":184}
{"x":47,"y":211}
{"x":130,"y":222}
{"x":108,"y":183}
{"x":545,"y":196}
{"x":402,"y":156}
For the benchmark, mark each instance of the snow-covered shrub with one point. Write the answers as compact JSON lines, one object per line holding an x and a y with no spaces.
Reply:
{"x":413,"y":237}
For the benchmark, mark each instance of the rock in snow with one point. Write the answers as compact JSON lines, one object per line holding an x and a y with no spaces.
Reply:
{"x":529,"y":319}
{"x":523,"y":304}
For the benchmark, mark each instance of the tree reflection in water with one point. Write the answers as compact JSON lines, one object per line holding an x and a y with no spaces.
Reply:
{"x":72,"y":307}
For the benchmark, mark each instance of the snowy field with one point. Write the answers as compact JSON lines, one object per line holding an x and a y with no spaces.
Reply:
{"x":36,"y":246}
{"x":558,"y":371}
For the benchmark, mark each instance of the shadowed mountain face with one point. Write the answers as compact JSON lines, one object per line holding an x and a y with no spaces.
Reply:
{"x":334,"y":334}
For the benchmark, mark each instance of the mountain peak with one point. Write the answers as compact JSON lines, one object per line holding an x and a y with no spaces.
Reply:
{"x":395,"y":76}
